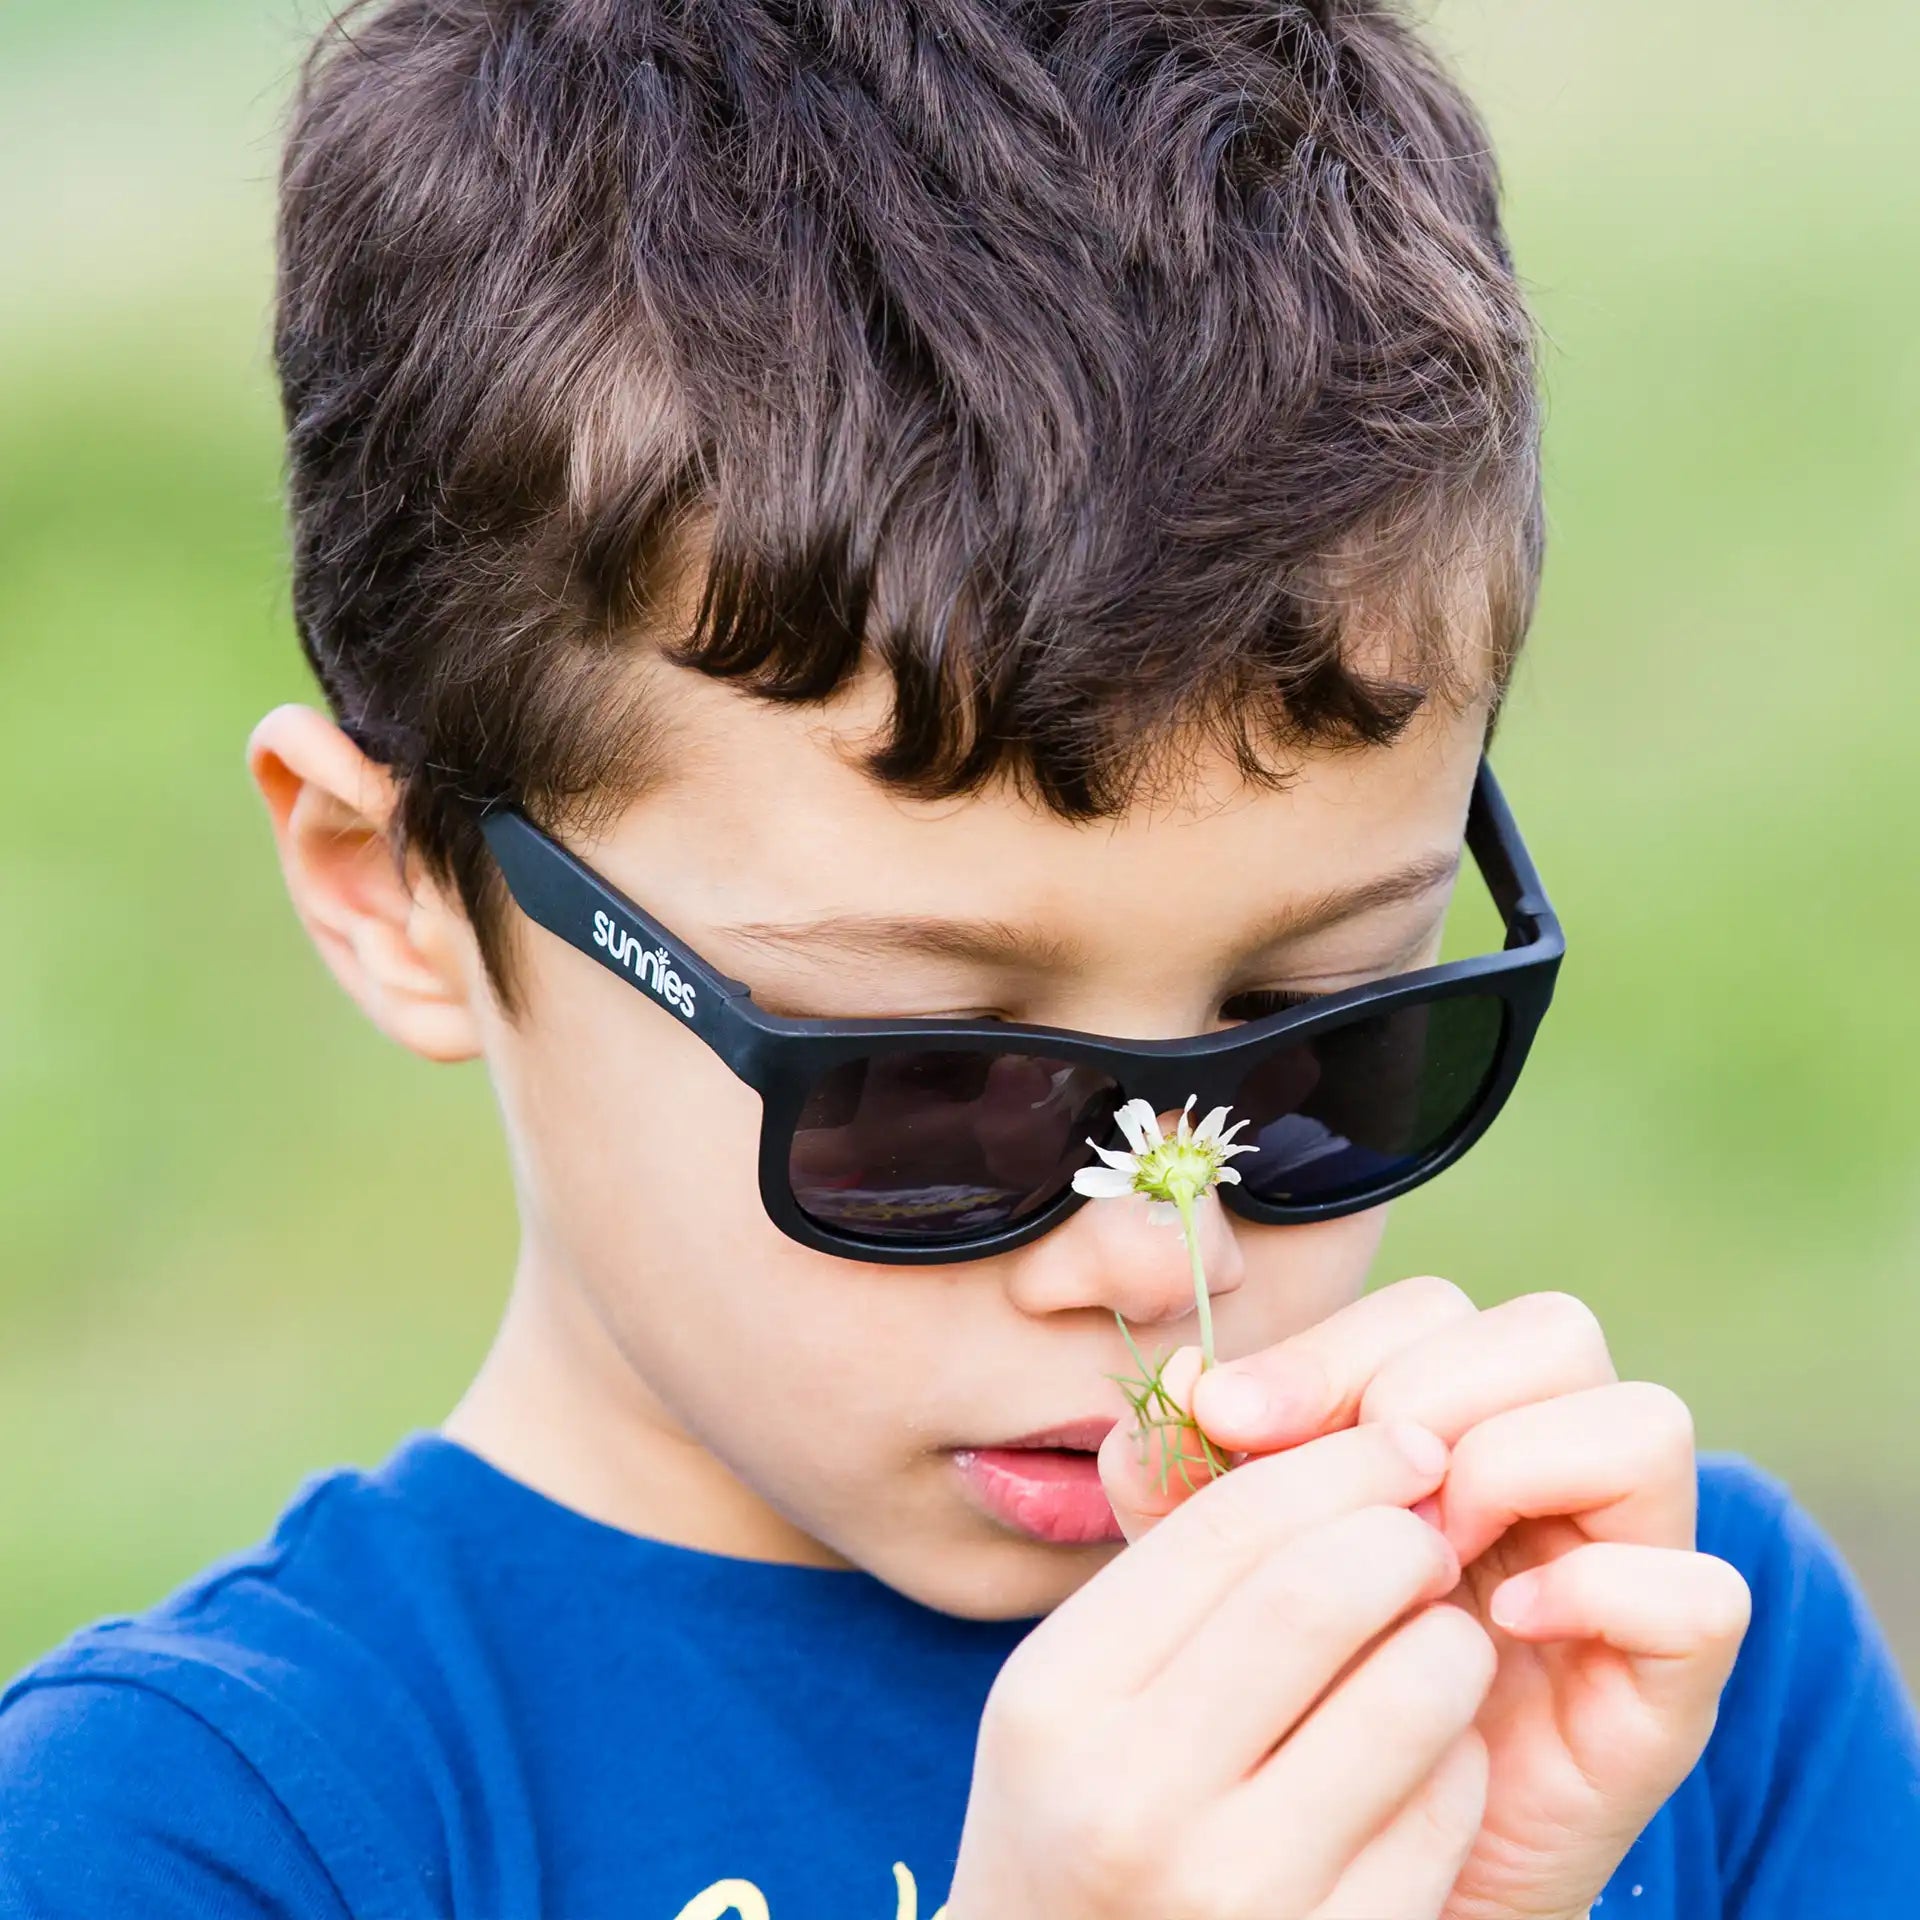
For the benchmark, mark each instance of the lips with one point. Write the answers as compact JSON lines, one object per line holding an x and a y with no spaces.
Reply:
{"x":1051,"y":1494}
{"x":1046,"y":1484}
{"x":1078,"y":1436}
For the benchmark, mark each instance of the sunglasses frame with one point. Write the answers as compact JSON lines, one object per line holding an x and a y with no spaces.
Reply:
{"x":782,"y":1059}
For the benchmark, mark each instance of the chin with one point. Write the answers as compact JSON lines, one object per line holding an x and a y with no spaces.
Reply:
{"x":1002,"y":1578}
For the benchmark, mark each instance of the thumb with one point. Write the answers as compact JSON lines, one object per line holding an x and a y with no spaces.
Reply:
{"x":1149,"y":1469}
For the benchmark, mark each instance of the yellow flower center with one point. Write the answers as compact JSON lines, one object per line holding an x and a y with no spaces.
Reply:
{"x":1178,"y":1170}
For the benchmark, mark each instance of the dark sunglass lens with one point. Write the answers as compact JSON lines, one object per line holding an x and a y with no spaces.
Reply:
{"x":928,"y":1146}
{"x":1364,"y":1103}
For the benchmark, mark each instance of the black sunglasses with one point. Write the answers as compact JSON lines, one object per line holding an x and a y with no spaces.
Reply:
{"x":915,"y":1141}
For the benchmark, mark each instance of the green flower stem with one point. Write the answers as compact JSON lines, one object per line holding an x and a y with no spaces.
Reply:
{"x":1132,"y":1349}
{"x":1150,"y":1387}
{"x":1190,"y":1233}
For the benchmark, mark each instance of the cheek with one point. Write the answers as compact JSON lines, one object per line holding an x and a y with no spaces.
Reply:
{"x":610,"y":1100}
{"x":650,"y":1207}
{"x":637,"y":1153}
{"x":1297,"y":1276}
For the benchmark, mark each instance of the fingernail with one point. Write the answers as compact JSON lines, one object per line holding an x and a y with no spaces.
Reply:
{"x":1513,"y":1602}
{"x":1180,"y":1374}
{"x":1421,"y":1445}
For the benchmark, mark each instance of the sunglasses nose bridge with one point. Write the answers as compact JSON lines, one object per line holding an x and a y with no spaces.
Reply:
{"x":1165,"y":1082}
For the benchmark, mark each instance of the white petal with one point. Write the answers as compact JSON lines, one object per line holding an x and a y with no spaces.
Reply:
{"x":1102,"y":1183}
{"x":1245,"y":1146}
{"x":1209,"y":1128}
{"x":1163,"y":1213}
{"x":1232,"y":1130}
{"x":1141,"y":1125}
{"x":1227,"y":1173}
{"x":1126,"y":1162}
{"x":1184,"y":1132}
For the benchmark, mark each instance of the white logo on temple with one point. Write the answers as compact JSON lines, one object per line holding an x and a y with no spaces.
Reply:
{"x":648,"y":965}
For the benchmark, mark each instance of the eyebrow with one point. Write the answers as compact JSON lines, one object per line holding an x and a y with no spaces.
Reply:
{"x":998,"y":943}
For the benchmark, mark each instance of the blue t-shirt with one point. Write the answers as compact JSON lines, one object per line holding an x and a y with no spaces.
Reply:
{"x":436,"y":1692}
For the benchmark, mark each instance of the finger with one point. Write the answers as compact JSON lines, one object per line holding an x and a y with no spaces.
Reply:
{"x":1409,"y":1868}
{"x":1276,"y":1641}
{"x":1364,"y":1751}
{"x":1529,"y":1348}
{"x":1678,"y":1616}
{"x":1312,"y":1382}
{"x":1148,"y":1470}
{"x":1112,"y":1635}
{"x":1618,"y":1460}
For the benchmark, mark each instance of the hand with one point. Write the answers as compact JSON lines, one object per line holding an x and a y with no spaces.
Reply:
{"x":1159,"y":1747}
{"x":1570,"y":1500}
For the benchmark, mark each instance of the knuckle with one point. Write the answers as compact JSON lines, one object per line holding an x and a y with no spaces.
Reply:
{"x":1113,"y":1849}
{"x":1567,"y":1315}
{"x":1211,"y":1873}
{"x":1023,"y":1715}
{"x":1106,"y":1845}
{"x":1199,"y":1887}
{"x":1183,"y":1892}
{"x":1662,"y":1415}
{"x":1436,"y":1299}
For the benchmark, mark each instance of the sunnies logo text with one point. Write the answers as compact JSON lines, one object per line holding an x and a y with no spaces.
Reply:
{"x":647,"y":964}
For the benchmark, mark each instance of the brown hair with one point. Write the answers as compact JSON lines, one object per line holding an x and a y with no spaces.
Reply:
{"x":1098,"y":370}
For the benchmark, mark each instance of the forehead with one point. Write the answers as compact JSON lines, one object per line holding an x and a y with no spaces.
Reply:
{"x":758,"y":810}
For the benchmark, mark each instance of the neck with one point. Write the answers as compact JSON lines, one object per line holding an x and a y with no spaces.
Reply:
{"x":559,"y":1406}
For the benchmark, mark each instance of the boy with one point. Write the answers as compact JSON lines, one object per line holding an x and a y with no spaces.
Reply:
{"x":831,"y":516}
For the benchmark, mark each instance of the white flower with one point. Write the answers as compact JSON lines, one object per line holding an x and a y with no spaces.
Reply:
{"x":1165,"y":1168}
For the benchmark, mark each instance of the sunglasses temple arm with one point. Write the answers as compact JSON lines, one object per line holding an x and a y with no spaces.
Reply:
{"x":1494,"y":838}
{"x":552,"y":887}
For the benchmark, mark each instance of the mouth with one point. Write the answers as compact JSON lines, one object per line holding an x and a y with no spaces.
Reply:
{"x":1076,"y":1436}
{"x":1046,"y":1484}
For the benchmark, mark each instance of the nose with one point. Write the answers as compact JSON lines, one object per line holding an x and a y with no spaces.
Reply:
{"x":1112,"y":1255}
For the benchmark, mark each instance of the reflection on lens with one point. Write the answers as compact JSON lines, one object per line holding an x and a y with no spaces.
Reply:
{"x":1365,"y":1102}
{"x":933,"y":1145}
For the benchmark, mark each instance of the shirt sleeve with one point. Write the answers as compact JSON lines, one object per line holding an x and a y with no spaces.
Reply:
{"x":1817,"y":1794}
{"x":115,"y":1799}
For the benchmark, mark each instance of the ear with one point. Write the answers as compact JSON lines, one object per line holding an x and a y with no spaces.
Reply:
{"x":402,"y":950}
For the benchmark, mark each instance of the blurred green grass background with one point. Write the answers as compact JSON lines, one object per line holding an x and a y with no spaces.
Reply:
{"x":242,"y":1237}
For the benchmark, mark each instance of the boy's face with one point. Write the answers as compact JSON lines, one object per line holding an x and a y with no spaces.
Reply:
{"x":670,"y":1361}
